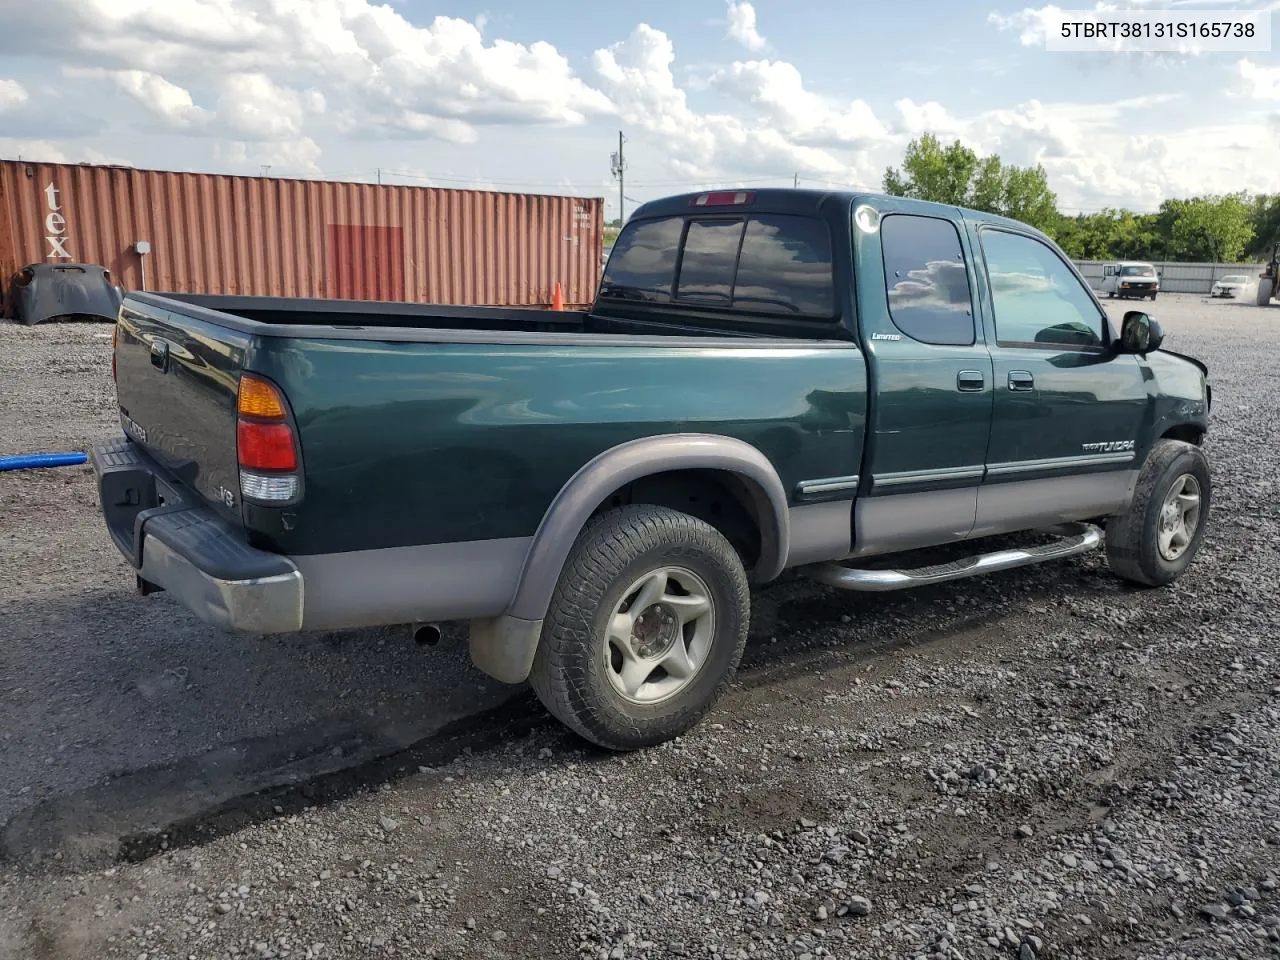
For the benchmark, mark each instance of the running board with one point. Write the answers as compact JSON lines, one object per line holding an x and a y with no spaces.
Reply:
{"x":1076,"y":538}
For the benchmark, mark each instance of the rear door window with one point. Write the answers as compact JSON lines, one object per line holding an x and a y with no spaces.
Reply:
{"x":926,"y":279}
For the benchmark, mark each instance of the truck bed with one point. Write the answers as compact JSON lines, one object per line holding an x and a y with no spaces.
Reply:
{"x":414,"y":429}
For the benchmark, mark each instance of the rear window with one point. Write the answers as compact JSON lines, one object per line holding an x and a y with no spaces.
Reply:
{"x":706,"y":268}
{"x":786,"y":265}
{"x":643,"y":263}
{"x":771,"y":263}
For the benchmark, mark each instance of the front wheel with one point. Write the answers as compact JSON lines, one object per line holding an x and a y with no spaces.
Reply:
{"x":1156,"y":539}
{"x":645,"y":630}
{"x":1264,"y":291}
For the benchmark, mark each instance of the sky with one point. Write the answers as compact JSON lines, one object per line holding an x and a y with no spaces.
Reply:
{"x":531,"y":96}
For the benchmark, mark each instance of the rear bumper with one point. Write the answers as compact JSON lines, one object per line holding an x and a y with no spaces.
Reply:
{"x":184,"y":548}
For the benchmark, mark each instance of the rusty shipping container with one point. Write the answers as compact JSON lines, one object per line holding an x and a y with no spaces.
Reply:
{"x":267,"y":236}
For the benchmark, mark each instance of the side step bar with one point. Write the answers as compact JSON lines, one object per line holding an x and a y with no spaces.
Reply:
{"x":1076,"y":538}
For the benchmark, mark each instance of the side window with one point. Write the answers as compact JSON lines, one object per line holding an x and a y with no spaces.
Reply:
{"x":1108,"y":270}
{"x":926,"y":279}
{"x":785,"y":267}
{"x":706,"y":266}
{"x":643,"y":263}
{"x":1036,"y":298}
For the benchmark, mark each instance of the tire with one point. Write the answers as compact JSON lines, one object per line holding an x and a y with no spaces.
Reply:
{"x":1134,"y":538}
{"x":1153,"y":296}
{"x":1264,"y":291}
{"x":1111,"y":294}
{"x":578,"y":671}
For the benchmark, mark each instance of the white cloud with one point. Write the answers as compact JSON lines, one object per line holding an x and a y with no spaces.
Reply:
{"x":636,"y":73}
{"x":364,"y":59}
{"x":776,"y":89}
{"x":929,"y":117}
{"x":1261,"y":83}
{"x":253,"y":107}
{"x":742,"y":25}
{"x":167,"y":101}
{"x":12,"y":94}
{"x":1032,"y":23}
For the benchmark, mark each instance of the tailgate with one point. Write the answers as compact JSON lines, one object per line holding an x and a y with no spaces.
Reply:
{"x":176,"y":380}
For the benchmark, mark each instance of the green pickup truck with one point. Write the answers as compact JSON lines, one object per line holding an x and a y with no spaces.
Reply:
{"x":768,"y":380}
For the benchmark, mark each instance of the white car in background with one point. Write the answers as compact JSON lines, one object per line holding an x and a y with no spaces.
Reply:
{"x":1130,"y":278}
{"x":1229,"y":286}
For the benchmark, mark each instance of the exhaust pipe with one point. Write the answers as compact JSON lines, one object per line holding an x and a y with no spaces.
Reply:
{"x":426,"y":634}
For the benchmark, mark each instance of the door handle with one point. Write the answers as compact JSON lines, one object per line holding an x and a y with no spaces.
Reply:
{"x":160,"y":355}
{"x":1021,"y":380}
{"x":970,"y":380}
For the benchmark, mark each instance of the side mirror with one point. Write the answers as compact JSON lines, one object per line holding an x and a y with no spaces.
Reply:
{"x":1139,"y":333}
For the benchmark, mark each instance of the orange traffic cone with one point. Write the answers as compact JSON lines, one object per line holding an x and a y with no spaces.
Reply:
{"x":557,"y":299}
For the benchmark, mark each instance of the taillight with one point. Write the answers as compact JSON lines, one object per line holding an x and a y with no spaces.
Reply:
{"x":266,"y":447}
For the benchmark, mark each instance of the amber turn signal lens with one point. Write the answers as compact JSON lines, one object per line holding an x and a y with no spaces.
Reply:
{"x":258,"y":398}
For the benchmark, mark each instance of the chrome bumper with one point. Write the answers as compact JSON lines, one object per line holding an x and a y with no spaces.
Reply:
{"x":270,"y":604}
{"x":178,"y":544}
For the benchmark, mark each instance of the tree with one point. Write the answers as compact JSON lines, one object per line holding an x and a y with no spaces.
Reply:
{"x":1208,"y":229}
{"x":956,"y":175}
{"x":933,"y":172}
{"x":1200,"y":229}
{"x":1264,"y":218}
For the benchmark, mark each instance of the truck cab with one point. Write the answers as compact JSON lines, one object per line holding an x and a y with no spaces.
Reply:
{"x":1130,"y":279}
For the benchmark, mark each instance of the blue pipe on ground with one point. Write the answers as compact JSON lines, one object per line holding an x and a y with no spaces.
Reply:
{"x":32,"y":460}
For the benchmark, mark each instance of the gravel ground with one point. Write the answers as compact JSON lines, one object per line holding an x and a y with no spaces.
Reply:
{"x":1040,"y":763}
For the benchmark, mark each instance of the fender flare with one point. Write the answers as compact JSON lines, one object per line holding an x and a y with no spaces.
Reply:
{"x":627,"y":462}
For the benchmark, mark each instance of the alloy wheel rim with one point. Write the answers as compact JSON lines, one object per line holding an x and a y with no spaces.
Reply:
{"x":659,"y":635}
{"x":1179,"y":517}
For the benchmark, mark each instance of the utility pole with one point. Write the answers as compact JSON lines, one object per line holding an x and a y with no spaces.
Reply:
{"x":266,"y":169}
{"x":379,"y":176}
{"x":795,"y":183}
{"x":618,"y":166}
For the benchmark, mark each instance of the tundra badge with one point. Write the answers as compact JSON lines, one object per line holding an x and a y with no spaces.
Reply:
{"x":1110,"y":446}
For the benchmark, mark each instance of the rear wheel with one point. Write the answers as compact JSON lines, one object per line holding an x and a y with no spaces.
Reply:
{"x":645,"y":630}
{"x":1264,"y":290}
{"x":1156,"y":539}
